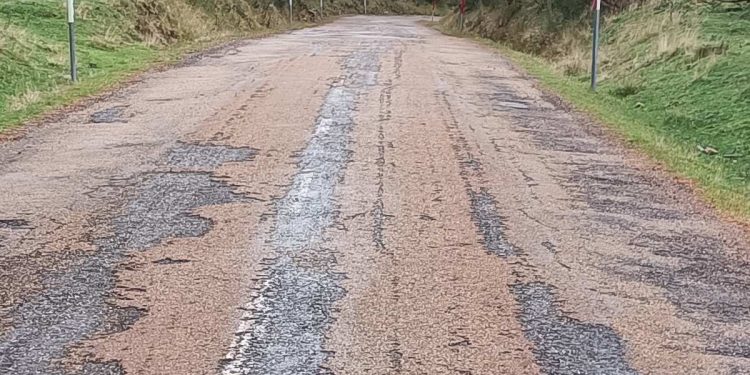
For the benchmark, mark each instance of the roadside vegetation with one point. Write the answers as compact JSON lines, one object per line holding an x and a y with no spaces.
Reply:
{"x":117,"y":38}
{"x":675,"y":77}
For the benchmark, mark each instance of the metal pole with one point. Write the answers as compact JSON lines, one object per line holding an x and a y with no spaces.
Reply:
{"x":462,"y":6}
{"x":291,"y":4}
{"x":365,"y":6}
{"x":321,"y":8}
{"x":595,"y":45}
{"x":72,"y":41}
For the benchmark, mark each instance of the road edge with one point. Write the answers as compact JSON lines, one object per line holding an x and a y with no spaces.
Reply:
{"x":107,"y":85}
{"x":655,"y":153}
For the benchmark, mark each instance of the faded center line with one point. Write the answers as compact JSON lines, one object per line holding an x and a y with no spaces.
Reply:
{"x":283,"y":329}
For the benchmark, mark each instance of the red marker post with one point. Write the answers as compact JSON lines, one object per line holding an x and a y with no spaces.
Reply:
{"x":462,"y":8}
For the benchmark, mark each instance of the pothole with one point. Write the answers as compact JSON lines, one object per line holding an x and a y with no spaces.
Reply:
{"x":14,"y":224}
{"x":208,"y":156}
{"x":489,"y":223}
{"x":109,"y":115}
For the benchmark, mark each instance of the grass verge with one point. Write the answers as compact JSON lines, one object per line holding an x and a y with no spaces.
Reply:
{"x":124,"y":65}
{"x":115,"y":43}
{"x":714,"y":178}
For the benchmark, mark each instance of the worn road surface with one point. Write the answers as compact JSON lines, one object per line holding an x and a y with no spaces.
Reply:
{"x":365,"y":197}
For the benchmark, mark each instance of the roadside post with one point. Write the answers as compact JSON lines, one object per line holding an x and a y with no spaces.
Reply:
{"x":72,"y":40}
{"x":462,"y":8}
{"x":291,"y":4}
{"x":321,"y":8}
{"x":365,"y":6}
{"x":597,"y":5}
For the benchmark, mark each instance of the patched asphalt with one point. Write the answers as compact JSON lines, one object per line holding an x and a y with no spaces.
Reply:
{"x":564,"y":345}
{"x":368,"y":196}
{"x":75,"y":302}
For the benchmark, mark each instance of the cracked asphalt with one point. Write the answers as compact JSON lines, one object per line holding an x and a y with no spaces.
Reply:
{"x":364,"y":197}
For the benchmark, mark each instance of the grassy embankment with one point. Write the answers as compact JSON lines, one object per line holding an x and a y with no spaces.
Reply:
{"x":118,"y":38}
{"x":675,"y":80}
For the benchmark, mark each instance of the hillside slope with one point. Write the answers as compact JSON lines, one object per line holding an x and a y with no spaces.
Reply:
{"x":679,"y":68}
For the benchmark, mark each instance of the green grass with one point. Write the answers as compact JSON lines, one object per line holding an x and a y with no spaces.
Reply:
{"x":120,"y":38}
{"x":34,"y":70}
{"x":697,"y":90}
{"x":672,"y":109}
{"x":34,"y":63}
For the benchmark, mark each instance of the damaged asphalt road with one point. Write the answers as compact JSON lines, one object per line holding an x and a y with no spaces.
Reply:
{"x":367,"y":196}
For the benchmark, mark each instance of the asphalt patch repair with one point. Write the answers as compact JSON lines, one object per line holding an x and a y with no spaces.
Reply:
{"x":75,"y":304}
{"x":563,"y":345}
{"x":109,"y":115}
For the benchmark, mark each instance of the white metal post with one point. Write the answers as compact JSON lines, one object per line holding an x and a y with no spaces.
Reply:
{"x":72,"y":40}
{"x":291,"y":4}
{"x":595,"y":45}
{"x":365,"y":6}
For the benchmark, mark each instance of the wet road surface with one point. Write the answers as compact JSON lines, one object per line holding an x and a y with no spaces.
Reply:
{"x":365,"y":197}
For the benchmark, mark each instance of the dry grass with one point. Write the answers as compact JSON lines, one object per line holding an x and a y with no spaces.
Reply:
{"x":57,"y":56}
{"x":16,"y":37}
{"x":575,"y":56}
{"x":84,"y":10}
{"x":272,"y":18}
{"x":19,"y":43}
{"x":642,"y":40}
{"x":671,"y":43}
{"x":27,"y":98}
{"x":110,"y":39}
{"x":161,"y":22}
{"x":649,"y":35}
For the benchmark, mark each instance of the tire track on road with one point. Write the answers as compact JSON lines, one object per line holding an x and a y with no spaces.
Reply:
{"x":284,"y":329}
{"x":562,"y":345}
